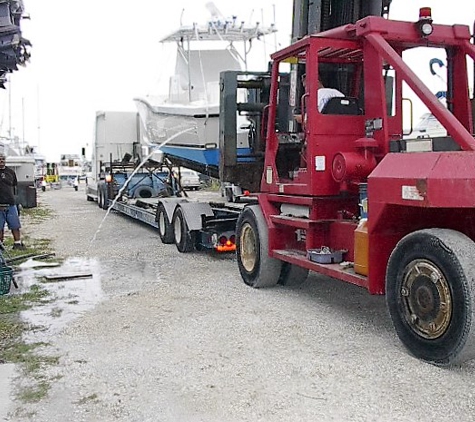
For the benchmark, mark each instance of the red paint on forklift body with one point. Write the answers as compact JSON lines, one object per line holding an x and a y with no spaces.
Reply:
{"x":310,"y":195}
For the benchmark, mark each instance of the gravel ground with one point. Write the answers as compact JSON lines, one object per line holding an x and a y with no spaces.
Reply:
{"x":179,"y":337}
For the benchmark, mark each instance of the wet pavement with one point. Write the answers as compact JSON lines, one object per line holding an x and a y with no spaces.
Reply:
{"x":78,"y":292}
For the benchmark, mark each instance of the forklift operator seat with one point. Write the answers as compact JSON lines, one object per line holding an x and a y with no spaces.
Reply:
{"x":342,"y":105}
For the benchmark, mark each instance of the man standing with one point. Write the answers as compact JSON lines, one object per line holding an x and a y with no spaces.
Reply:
{"x":8,"y":208}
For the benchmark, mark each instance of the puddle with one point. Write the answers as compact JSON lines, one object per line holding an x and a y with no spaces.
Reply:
{"x":70,"y":298}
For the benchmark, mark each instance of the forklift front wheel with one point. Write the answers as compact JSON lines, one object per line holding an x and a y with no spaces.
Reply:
{"x":257,"y":268}
{"x":184,"y":238}
{"x":430,"y":293}
{"x":165,"y":228}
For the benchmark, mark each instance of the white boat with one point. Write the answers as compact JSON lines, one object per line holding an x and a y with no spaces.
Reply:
{"x":70,"y":167}
{"x":428,"y":127}
{"x":187,"y":118}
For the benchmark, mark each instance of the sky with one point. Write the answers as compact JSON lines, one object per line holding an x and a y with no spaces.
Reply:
{"x":99,"y":54}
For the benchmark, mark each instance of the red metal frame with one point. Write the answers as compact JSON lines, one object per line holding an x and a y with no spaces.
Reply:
{"x":406,"y":192}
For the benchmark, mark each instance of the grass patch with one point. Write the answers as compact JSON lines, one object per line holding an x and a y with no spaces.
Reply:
{"x":16,"y":303}
{"x":91,"y":397}
{"x":14,"y":350}
{"x":30,"y":360}
{"x":214,"y":185}
{"x":37,"y":214}
{"x":35,"y":393}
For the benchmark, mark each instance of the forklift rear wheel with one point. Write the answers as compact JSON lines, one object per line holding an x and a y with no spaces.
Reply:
{"x":292,"y":275}
{"x":184,"y":239}
{"x":257,"y":268}
{"x":165,"y":229}
{"x":430,"y":293}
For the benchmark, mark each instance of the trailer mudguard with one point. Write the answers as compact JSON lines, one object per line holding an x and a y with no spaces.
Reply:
{"x":193,"y":211}
{"x":170,"y":204}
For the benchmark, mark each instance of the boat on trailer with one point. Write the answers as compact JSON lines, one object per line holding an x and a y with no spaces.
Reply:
{"x":185,"y":124}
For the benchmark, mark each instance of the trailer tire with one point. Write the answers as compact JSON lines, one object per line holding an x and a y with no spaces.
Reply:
{"x":257,"y":268}
{"x":292,"y":275}
{"x":165,"y":228}
{"x":430,"y":294}
{"x":145,"y":192}
{"x":184,"y":238}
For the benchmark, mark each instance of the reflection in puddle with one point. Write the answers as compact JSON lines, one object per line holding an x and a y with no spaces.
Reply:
{"x":70,"y":298}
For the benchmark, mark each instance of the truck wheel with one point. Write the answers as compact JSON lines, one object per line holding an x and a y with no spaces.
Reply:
{"x":104,"y":198}
{"x":184,"y":239}
{"x":292,"y":275}
{"x":165,"y":229}
{"x":257,"y":268}
{"x":430,"y":293}
{"x":99,"y":197}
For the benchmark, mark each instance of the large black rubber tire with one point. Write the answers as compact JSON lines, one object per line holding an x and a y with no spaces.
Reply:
{"x":100,"y":198}
{"x":257,"y":268}
{"x":430,"y":293}
{"x":104,"y":197}
{"x":165,"y":228}
{"x":292,"y":275}
{"x":184,"y":239}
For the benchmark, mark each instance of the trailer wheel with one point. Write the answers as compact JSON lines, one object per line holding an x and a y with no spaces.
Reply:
{"x":257,"y":268}
{"x":292,"y":275}
{"x":165,"y":229}
{"x":430,"y":293}
{"x":184,"y":239}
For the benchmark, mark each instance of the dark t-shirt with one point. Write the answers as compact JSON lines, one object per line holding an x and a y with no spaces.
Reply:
{"x":8,"y":182}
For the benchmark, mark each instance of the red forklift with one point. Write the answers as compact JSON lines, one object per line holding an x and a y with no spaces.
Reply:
{"x":350,"y":195}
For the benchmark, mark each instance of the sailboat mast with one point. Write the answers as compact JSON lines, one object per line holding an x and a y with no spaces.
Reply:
{"x":10,"y":109}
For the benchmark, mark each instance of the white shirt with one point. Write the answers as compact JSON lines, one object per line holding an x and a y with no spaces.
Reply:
{"x":324,"y":94}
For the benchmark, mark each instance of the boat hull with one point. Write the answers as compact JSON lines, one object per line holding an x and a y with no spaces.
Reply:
{"x":189,"y":133}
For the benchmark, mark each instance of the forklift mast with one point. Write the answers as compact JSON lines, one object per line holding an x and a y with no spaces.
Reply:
{"x":310,"y":17}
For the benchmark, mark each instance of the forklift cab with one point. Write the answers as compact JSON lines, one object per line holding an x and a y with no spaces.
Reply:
{"x":304,"y":152}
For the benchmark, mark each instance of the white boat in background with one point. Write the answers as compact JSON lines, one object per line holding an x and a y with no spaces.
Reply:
{"x":29,"y":154}
{"x":28,"y":165}
{"x":70,"y":167}
{"x":187,"y":117}
{"x":428,"y":127}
